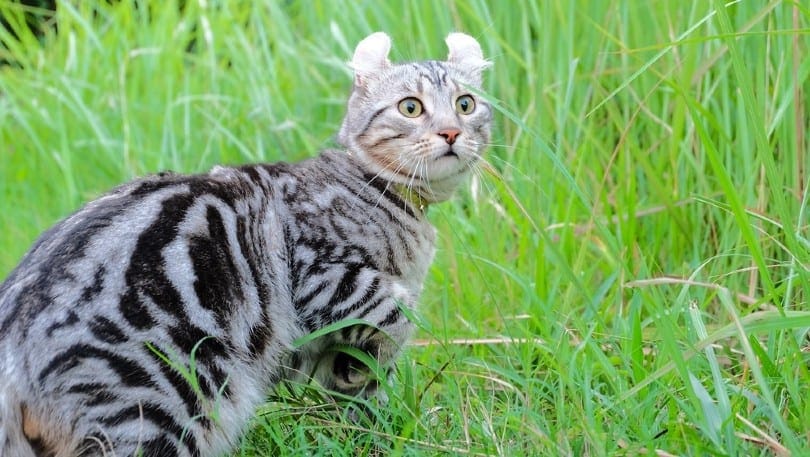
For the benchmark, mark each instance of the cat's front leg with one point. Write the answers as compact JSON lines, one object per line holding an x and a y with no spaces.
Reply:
{"x":360,"y":357}
{"x":356,"y":367}
{"x":331,"y":361}
{"x":348,"y":375}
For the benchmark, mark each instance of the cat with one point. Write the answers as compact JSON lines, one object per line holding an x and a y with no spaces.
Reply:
{"x":101,"y":318}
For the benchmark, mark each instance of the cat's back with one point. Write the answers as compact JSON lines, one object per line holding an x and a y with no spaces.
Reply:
{"x":61,"y":253}
{"x":76,"y":259}
{"x":160,"y":261}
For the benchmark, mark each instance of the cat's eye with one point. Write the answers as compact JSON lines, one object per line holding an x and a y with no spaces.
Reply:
{"x":410,"y":107}
{"x":465,"y":104}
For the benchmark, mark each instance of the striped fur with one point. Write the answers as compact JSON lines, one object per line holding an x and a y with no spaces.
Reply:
{"x":108,"y":308}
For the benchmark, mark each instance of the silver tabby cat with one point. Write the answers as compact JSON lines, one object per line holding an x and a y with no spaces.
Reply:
{"x":106,"y":309}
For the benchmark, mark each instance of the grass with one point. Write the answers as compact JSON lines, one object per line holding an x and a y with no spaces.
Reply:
{"x":636,"y":281}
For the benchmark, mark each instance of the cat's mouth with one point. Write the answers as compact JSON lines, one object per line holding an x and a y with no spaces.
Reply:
{"x":450,"y":152}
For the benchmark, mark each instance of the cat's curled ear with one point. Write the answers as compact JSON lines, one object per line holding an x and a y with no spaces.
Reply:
{"x":465,"y":52}
{"x":370,"y":57}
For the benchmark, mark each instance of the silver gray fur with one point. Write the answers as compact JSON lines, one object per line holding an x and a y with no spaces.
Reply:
{"x":234,"y":265}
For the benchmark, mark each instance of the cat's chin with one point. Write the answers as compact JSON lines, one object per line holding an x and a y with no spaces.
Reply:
{"x":440,"y":190}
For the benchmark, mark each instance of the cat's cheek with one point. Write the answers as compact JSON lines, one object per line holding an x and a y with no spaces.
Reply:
{"x":387,"y":163}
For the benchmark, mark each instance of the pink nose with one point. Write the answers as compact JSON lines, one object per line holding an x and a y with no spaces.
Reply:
{"x":449,"y":135}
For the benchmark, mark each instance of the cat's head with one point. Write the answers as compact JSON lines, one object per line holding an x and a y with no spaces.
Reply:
{"x":418,"y":124}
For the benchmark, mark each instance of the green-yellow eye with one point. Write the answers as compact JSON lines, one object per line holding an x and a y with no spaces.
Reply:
{"x":410,"y":107}
{"x":465,"y":104}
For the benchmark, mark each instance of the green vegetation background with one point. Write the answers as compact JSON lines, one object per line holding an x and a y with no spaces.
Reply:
{"x":635,"y":281}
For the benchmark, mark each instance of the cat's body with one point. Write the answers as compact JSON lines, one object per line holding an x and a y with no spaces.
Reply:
{"x":227,"y":269}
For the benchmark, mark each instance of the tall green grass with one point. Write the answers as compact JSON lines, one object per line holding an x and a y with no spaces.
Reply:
{"x":635,"y":280}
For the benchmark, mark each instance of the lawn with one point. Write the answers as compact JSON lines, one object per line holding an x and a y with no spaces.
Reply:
{"x":631,"y":276}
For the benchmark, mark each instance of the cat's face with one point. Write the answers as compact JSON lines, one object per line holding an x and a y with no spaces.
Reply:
{"x":419,"y":123}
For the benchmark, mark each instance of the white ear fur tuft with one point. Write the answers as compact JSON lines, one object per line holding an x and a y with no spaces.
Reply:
{"x":371,"y":56}
{"x":466,"y":53}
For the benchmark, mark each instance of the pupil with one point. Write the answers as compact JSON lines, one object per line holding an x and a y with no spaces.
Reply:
{"x":464,"y":105}
{"x":411,"y":107}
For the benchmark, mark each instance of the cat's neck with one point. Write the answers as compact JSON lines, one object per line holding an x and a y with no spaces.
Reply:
{"x":416,"y":199}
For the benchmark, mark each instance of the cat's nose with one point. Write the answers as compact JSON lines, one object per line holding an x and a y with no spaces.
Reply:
{"x":449,"y":135}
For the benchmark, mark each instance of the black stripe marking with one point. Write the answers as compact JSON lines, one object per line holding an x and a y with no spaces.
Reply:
{"x":157,"y":415}
{"x":392,"y":317}
{"x":129,"y":371}
{"x":301,"y":303}
{"x":152,"y":184}
{"x":310,"y":323}
{"x":107,"y":330}
{"x":347,"y":284}
{"x":435,"y":70}
{"x":96,"y":393}
{"x":371,"y":346}
{"x":135,"y":311}
{"x":294,"y":361}
{"x":370,"y":120}
{"x":371,"y":291}
{"x":156,"y":447}
{"x":146,"y":275}
{"x":185,"y":336}
{"x":260,"y":336}
{"x":90,"y":292}
{"x":386,"y":140}
{"x":371,"y":305}
{"x":262,"y":332}
{"x":71,"y":319}
{"x":253,"y":174}
{"x":386,"y":190}
{"x":39,"y":447}
{"x":218,"y":281}
{"x":31,"y":301}
{"x":180,"y":384}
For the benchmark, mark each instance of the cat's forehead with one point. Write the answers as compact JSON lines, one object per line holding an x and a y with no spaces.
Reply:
{"x":429,"y":75}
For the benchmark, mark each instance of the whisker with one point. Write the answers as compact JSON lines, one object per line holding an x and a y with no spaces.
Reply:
{"x":514,"y":169}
